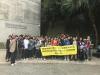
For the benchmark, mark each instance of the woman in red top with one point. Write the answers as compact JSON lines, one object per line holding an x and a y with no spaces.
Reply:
{"x":88,"y":46}
{"x":54,"y":42}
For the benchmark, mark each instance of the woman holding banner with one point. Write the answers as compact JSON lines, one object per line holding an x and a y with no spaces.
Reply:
{"x":66,"y":42}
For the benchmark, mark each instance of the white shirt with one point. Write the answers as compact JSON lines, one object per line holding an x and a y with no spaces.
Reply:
{"x":26,"y":43}
{"x":74,"y":42}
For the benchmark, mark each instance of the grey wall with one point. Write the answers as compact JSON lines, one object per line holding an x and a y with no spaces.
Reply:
{"x":19,"y":17}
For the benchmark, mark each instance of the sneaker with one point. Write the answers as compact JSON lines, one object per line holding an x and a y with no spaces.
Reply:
{"x":65,"y":59}
{"x":24,"y":59}
{"x":15,"y":63}
{"x":12,"y":64}
{"x":44,"y":59}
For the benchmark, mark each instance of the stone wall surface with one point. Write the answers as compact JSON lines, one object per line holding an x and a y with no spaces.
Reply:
{"x":19,"y":17}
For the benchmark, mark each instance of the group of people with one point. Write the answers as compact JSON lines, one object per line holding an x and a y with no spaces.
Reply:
{"x":27,"y":46}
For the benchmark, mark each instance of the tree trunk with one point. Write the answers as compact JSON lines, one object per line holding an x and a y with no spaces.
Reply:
{"x":96,"y":34}
{"x":92,"y":18}
{"x":95,"y":30}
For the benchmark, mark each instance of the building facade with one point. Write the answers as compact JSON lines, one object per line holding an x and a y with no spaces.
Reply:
{"x":19,"y":17}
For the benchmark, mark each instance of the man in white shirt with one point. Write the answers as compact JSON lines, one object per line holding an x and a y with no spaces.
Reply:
{"x":26,"y":43}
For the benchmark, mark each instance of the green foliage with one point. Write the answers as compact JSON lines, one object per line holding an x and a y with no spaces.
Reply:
{"x":51,"y":8}
{"x":2,"y":45}
{"x":71,"y":6}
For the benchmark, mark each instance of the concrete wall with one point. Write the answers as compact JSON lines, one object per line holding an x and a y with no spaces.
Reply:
{"x":19,"y":17}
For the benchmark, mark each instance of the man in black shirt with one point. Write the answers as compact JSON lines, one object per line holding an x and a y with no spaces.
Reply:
{"x":7,"y":48}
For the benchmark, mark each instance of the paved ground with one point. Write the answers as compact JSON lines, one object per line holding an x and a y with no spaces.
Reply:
{"x":49,"y":69}
{"x":94,"y":61}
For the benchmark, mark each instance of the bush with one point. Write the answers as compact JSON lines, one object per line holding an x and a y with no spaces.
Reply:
{"x":2,"y":45}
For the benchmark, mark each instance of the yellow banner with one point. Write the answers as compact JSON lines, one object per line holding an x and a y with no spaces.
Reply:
{"x":59,"y":50}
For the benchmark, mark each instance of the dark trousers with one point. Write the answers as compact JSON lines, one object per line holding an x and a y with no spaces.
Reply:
{"x":82,"y":54}
{"x":13,"y":57}
{"x":19,"y":53}
{"x":34,"y":51}
{"x":38,"y":53}
{"x":30,"y":53}
{"x":25,"y":53}
{"x":8,"y":54}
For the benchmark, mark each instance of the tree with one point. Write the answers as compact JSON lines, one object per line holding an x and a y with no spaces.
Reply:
{"x":73,"y":6}
{"x":50,"y":13}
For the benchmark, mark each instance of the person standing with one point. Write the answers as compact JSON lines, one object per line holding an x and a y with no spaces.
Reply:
{"x":20,"y":47}
{"x":75,"y":43}
{"x":80,"y":46}
{"x":55,"y":42}
{"x":8,"y":48}
{"x":26,"y":46}
{"x":31,"y":47}
{"x":12,"y":49}
{"x":37,"y":47}
{"x":88,"y":46}
{"x":66,"y":43}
